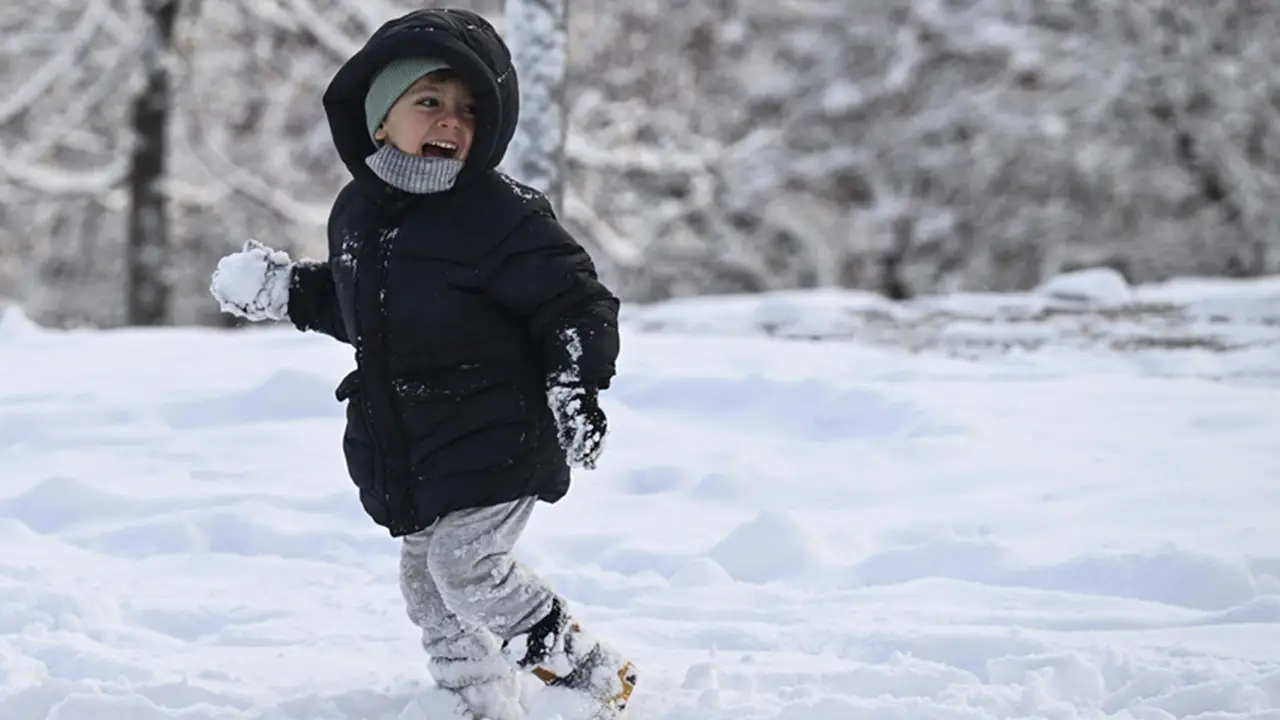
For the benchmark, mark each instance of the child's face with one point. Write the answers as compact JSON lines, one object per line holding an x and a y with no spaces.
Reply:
{"x":433,"y":118}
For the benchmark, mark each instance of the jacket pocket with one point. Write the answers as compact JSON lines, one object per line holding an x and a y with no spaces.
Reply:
{"x":349,"y":386}
{"x":462,"y":421}
{"x":360,"y":451}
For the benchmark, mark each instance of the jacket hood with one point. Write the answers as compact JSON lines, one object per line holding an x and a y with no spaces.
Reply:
{"x":470,"y":45}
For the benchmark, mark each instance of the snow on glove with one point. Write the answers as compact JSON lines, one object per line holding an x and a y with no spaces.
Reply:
{"x":581,"y":423}
{"x":253,"y":283}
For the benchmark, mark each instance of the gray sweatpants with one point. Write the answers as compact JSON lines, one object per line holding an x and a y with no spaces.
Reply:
{"x":468,"y":595}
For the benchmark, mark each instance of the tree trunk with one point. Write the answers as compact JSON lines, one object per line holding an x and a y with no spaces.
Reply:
{"x":537,"y":32}
{"x":147,"y":252}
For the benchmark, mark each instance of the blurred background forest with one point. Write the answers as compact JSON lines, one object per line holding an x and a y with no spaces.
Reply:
{"x":908,"y":147}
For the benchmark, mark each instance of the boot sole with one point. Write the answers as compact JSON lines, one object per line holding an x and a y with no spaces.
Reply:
{"x":618,"y":703}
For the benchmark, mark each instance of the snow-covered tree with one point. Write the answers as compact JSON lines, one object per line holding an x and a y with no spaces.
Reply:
{"x":68,"y":70}
{"x":537,"y":33}
{"x":148,"y":243}
{"x":916,"y":146}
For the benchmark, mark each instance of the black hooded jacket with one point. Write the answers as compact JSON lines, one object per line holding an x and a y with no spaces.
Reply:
{"x":457,"y":303}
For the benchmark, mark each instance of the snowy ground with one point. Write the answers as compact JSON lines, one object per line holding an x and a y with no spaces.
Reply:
{"x":968,"y":527}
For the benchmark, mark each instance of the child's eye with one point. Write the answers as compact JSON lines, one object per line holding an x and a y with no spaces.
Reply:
{"x":429,"y":101}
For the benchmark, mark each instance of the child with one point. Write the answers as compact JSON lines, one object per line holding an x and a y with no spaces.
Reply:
{"x":482,"y":337}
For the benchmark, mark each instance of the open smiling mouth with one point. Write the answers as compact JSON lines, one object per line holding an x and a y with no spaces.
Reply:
{"x":440,"y":148}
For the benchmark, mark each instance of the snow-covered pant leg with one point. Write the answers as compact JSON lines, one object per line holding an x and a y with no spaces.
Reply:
{"x":470,"y":560}
{"x":468,"y":556}
{"x":464,"y":657}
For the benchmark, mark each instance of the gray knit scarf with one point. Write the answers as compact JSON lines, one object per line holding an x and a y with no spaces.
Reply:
{"x":414,"y":173}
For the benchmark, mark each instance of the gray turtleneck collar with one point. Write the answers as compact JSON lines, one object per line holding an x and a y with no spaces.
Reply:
{"x":414,"y":173}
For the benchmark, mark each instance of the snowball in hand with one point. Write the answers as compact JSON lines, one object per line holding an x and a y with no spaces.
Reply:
{"x":253,"y":283}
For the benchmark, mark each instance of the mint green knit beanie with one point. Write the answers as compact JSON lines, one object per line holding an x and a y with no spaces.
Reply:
{"x":391,"y":82}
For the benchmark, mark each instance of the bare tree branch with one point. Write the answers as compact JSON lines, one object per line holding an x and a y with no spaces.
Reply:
{"x":339,"y":46}
{"x":71,"y":45}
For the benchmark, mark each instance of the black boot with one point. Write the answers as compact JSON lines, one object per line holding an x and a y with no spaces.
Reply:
{"x":559,"y":653}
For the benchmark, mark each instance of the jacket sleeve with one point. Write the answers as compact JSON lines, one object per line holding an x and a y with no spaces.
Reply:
{"x":541,"y":274}
{"x":313,"y":297}
{"x":313,"y":300}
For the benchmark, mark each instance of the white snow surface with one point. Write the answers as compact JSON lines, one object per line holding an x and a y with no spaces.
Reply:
{"x":888,"y":524}
{"x":1099,"y":284}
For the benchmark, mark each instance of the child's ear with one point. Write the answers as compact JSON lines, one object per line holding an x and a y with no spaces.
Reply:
{"x":380,"y":134}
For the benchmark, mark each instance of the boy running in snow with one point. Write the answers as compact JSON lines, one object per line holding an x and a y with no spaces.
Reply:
{"x":482,"y":337}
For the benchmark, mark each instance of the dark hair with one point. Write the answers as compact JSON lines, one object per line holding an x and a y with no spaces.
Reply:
{"x":444,"y":75}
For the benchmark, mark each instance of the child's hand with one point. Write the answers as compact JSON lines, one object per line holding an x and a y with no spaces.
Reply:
{"x":253,"y":283}
{"x":581,"y":423}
